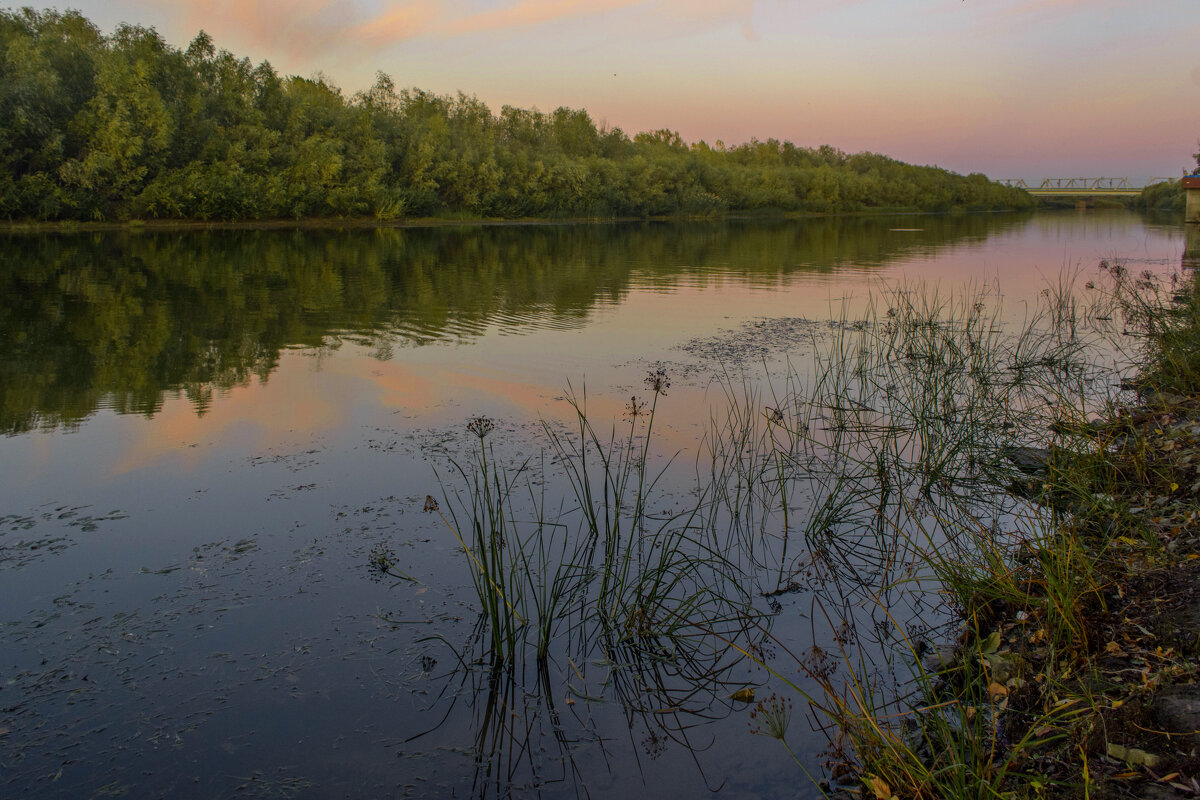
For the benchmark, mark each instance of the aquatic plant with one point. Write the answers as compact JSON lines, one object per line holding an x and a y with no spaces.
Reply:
{"x":585,"y":590}
{"x":602,"y":570}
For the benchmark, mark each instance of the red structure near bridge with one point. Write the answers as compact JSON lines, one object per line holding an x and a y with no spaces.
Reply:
{"x":1191,"y":186}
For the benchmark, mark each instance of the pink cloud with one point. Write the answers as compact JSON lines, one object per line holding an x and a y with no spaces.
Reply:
{"x":398,"y":22}
{"x":297,"y":28}
{"x":303,"y":28}
{"x":526,"y":13}
{"x":683,"y":14}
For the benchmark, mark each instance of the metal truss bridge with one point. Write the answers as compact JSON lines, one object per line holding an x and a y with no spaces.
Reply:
{"x":1081,"y":187}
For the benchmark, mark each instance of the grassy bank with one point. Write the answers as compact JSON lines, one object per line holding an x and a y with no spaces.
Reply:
{"x":1072,"y":670}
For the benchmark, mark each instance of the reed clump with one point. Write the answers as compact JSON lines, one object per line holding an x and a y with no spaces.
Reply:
{"x":1006,"y":474}
{"x":592,"y":573}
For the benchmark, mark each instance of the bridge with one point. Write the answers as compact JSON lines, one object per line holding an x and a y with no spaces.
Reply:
{"x":1081,"y":187}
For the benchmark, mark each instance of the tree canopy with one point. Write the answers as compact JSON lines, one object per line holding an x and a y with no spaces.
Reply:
{"x":125,"y":126}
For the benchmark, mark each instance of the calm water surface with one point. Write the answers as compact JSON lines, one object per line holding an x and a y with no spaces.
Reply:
{"x":205,"y":435}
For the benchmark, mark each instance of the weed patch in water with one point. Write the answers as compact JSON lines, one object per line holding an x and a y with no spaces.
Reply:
{"x":923,"y":418}
{"x":880,"y":487}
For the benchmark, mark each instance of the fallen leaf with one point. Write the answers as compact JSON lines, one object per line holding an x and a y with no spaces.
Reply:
{"x":997,"y":690}
{"x":1133,"y":755}
{"x":880,"y":788}
{"x":743,"y":695}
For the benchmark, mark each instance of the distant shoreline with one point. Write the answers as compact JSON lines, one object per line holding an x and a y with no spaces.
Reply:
{"x":364,"y":223}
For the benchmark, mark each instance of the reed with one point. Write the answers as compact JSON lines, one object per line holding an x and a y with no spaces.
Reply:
{"x":600,"y":571}
{"x":995,"y":485}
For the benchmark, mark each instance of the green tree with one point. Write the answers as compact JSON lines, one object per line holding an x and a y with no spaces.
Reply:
{"x":122,"y":126}
{"x":124,"y":129}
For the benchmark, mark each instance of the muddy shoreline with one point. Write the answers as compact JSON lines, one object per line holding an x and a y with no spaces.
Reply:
{"x":1076,"y":672}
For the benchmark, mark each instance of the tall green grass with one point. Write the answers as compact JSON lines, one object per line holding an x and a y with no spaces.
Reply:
{"x":599,"y":573}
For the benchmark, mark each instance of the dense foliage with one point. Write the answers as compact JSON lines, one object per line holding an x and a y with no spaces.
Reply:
{"x":96,"y":127}
{"x":1166,"y":195}
{"x":1162,"y":196}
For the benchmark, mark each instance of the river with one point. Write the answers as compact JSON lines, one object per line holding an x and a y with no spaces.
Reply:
{"x":208,"y":438}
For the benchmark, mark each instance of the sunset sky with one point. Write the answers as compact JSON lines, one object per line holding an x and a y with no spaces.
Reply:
{"x":1011,"y":88}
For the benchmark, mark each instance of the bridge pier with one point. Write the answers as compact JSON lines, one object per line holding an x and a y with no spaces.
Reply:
{"x":1191,"y":186}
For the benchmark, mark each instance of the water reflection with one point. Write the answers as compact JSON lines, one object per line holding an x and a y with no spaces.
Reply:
{"x":1191,"y":247}
{"x":196,"y":583}
{"x":118,"y":320}
{"x":528,"y":736}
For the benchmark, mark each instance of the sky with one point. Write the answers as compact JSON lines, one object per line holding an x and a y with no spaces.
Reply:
{"x":1011,"y":88}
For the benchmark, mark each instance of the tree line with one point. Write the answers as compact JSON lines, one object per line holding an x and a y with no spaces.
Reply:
{"x":1165,"y":195}
{"x":125,"y":126}
{"x":1161,"y":196}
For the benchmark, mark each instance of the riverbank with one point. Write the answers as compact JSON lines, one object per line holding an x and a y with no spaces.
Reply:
{"x":371,"y":223}
{"x":1077,"y":673}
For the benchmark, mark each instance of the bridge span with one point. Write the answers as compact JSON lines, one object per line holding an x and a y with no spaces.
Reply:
{"x":1081,"y":187}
